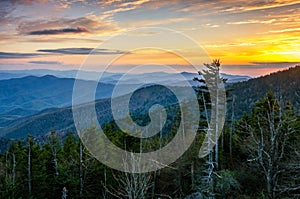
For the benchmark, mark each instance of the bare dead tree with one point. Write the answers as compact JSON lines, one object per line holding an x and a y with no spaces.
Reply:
{"x":214,"y":112}
{"x":53,"y":145}
{"x":268,"y":143}
{"x":133,"y":184}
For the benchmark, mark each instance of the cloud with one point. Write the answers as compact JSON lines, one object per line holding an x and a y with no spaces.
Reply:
{"x":275,"y":64}
{"x":5,"y":38}
{"x":60,"y":40}
{"x":82,"y":51}
{"x":252,"y":22}
{"x":58,"y":31}
{"x":122,"y":6}
{"x":205,"y":7}
{"x":10,"y":55}
{"x":262,"y":65}
{"x":87,"y":24}
{"x":212,"y":25}
{"x":45,"y":62}
{"x":5,"y":9}
{"x":225,"y":45}
{"x":28,"y":2}
{"x":285,"y":30}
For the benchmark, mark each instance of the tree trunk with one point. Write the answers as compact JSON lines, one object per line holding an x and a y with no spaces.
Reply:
{"x":80,"y":169}
{"x":231,"y":128}
{"x":54,"y":153}
{"x":29,"y":169}
{"x":13,"y":173}
{"x":6,"y":166}
{"x":192,"y":174}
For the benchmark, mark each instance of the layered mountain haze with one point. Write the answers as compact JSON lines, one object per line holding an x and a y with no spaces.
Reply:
{"x":28,"y":95}
{"x":111,"y":78}
{"x":61,"y":119}
{"x":37,"y":105}
{"x":42,"y":95}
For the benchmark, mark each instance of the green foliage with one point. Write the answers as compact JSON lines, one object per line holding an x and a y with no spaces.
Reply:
{"x":284,"y":85}
{"x":226,"y":184}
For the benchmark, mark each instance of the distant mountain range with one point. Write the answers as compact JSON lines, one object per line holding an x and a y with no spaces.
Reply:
{"x":23,"y":95}
{"x":37,"y":105}
{"x":29,"y":95}
{"x":111,"y":78}
{"x":61,"y":119}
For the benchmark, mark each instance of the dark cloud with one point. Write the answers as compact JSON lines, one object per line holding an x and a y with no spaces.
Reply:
{"x":82,"y":51}
{"x":10,"y":55}
{"x":262,"y":65}
{"x":86,"y":24}
{"x":58,"y":31}
{"x":61,"y":40}
{"x":44,"y":62}
{"x":279,"y":64}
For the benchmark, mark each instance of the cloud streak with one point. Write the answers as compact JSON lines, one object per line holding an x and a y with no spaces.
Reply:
{"x":45,"y":62}
{"x":285,"y":30}
{"x":275,"y":64}
{"x":82,"y":51}
{"x":59,"y":31}
{"x":252,"y":22}
{"x":13,"y":55}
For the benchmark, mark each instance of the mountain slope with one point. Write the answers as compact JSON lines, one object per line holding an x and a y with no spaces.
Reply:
{"x":29,"y":95}
{"x":61,"y":119}
{"x":284,"y":84}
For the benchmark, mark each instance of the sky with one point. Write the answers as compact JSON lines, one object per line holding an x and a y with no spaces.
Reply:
{"x":249,"y":37}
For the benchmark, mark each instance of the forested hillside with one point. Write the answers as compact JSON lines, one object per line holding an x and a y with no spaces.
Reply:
{"x":257,"y":155}
{"x":29,"y":95}
{"x":242,"y":172}
{"x":284,"y":84}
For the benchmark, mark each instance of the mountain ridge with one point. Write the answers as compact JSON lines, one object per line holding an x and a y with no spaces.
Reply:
{"x":246,"y":94}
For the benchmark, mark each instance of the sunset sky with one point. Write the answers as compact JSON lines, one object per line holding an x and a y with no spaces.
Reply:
{"x":249,"y":37}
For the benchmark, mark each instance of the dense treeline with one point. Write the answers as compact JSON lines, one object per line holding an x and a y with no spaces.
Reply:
{"x":284,"y":84}
{"x":263,"y":162}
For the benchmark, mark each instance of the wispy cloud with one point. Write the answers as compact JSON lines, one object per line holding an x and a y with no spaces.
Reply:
{"x":225,"y":45}
{"x":45,"y":62}
{"x":59,"y":31}
{"x":82,"y":51}
{"x":230,"y":6}
{"x":212,"y":25}
{"x":122,"y":6}
{"x":285,"y":30}
{"x":252,"y":22}
{"x":13,"y":55}
{"x":27,"y":2}
{"x":5,"y":9}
